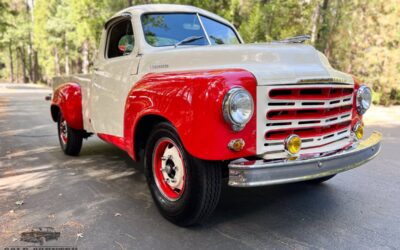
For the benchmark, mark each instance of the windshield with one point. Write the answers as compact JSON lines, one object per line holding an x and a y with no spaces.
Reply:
{"x":168,"y":29}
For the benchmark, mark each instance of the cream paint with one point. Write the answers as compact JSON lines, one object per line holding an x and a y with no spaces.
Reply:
{"x":274,"y":63}
{"x":111,"y":83}
{"x":271,"y":64}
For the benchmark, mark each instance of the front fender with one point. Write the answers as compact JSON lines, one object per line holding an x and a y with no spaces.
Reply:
{"x":192,"y":102}
{"x":68,"y":98}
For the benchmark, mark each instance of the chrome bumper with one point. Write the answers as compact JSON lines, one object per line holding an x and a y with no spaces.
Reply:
{"x":262,"y":172}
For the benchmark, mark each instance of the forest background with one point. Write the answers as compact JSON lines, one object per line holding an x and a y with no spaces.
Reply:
{"x":40,"y":39}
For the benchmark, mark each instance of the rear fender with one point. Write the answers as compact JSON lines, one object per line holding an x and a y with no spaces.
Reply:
{"x":67,"y":99}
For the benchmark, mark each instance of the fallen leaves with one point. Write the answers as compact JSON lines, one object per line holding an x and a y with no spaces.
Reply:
{"x":19,"y":203}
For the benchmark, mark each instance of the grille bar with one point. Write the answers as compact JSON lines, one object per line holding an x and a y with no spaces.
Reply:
{"x":306,"y":132}
{"x":310,"y":93}
{"x":319,"y":113}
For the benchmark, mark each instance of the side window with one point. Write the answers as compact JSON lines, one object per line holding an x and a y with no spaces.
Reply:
{"x":120,"y":39}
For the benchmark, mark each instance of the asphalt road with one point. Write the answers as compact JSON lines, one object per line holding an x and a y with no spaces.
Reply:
{"x":100,"y":200}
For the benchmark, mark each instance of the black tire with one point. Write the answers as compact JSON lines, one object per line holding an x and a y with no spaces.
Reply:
{"x":73,"y":143}
{"x":202,"y":180}
{"x":320,"y":180}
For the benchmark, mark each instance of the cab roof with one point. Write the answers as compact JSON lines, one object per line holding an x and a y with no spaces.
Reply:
{"x":138,"y":10}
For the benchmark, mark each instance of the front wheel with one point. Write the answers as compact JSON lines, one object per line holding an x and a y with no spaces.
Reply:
{"x":70,"y":139}
{"x":186,"y":190}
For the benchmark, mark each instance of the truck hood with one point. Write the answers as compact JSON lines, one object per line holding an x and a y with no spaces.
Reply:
{"x":271,"y":64}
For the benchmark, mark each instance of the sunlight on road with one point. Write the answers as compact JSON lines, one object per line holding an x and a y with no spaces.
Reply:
{"x":383,"y":116}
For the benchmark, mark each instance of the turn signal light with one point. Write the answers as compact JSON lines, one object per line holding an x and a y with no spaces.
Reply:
{"x":293,"y":144}
{"x":236,"y":145}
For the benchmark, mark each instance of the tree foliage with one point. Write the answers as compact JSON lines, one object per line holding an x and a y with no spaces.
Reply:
{"x":43,"y":38}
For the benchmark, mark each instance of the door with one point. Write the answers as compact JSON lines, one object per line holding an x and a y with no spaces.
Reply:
{"x":115,"y":72}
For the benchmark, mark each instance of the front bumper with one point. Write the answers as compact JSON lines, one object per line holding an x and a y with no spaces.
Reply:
{"x":262,"y":172}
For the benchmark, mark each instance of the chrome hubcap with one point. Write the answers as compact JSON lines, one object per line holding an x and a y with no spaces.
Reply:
{"x":172,"y":167}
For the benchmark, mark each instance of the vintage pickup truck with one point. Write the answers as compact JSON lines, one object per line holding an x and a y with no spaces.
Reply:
{"x":176,"y":87}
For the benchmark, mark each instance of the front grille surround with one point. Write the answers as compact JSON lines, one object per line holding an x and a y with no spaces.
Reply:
{"x":320,"y":114}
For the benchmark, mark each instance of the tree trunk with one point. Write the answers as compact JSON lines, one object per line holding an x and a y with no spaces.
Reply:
{"x":11,"y":62}
{"x":56,"y":62}
{"x":85,"y":57}
{"x":323,"y":32}
{"x":130,"y":3}
{"x":30,"y":57}
{"x":315,"y":23}
{"x":35,"y":67}
{"x":66,"y":47}
{"x":34,"y":55}
{"x":23,"y":64}
{"x":17,"y":78}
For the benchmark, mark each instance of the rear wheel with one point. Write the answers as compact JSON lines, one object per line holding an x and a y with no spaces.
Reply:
{"x":70,"y":139}
{"x":186,"y":190}
{"x":320,"y":180}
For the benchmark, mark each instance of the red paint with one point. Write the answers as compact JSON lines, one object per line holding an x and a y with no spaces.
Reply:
{"x":68,"y":98}
{"x":308,"y":132}
{"x":115,"y":140}
{"x":299,"y":114}
{"x":355,"y":117}
{"x":310,"y":93}
{"x":192,"y":102}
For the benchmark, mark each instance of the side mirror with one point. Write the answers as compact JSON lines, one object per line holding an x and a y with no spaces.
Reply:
{"x":126,"y":44}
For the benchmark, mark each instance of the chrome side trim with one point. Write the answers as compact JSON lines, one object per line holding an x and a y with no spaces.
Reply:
{"x":262,"y":173}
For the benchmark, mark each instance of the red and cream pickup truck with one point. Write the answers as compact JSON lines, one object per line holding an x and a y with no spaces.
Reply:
{"x":176,"y":87}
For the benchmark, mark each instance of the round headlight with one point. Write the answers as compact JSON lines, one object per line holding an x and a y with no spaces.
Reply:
{"x":363,"y":99}
{"x":238,"y":108}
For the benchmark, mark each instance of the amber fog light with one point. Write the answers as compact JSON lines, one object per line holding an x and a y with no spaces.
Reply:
{"x":293,"y":144}
{"x":358,"y":130}
{"x":236,"y":145}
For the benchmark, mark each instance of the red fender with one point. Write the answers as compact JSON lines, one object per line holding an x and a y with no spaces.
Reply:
{"x":192,"y":102}
{"x":355,"y":116}
{"x":68,"y":98}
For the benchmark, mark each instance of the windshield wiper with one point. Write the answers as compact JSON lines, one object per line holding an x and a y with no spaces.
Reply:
{"x":188,"y":40}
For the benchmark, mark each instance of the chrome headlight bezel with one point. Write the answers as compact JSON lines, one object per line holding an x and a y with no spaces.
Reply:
{"x":227,"y":108}
{"x":363,"y":99}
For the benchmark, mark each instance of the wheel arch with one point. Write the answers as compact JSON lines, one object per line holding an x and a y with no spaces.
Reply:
{"x":55,"y":112}
{"x":142,"y":132}
{"x":67,"y":99}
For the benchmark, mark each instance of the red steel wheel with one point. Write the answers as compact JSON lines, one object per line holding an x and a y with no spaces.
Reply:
{"x":185,"y":189}
{"x":169,"y":169}
{"x":69,"y":138}
{"x":63,"y":130}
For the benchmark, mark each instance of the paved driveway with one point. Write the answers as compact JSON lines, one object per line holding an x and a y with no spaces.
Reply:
{"x":100,"y":200}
